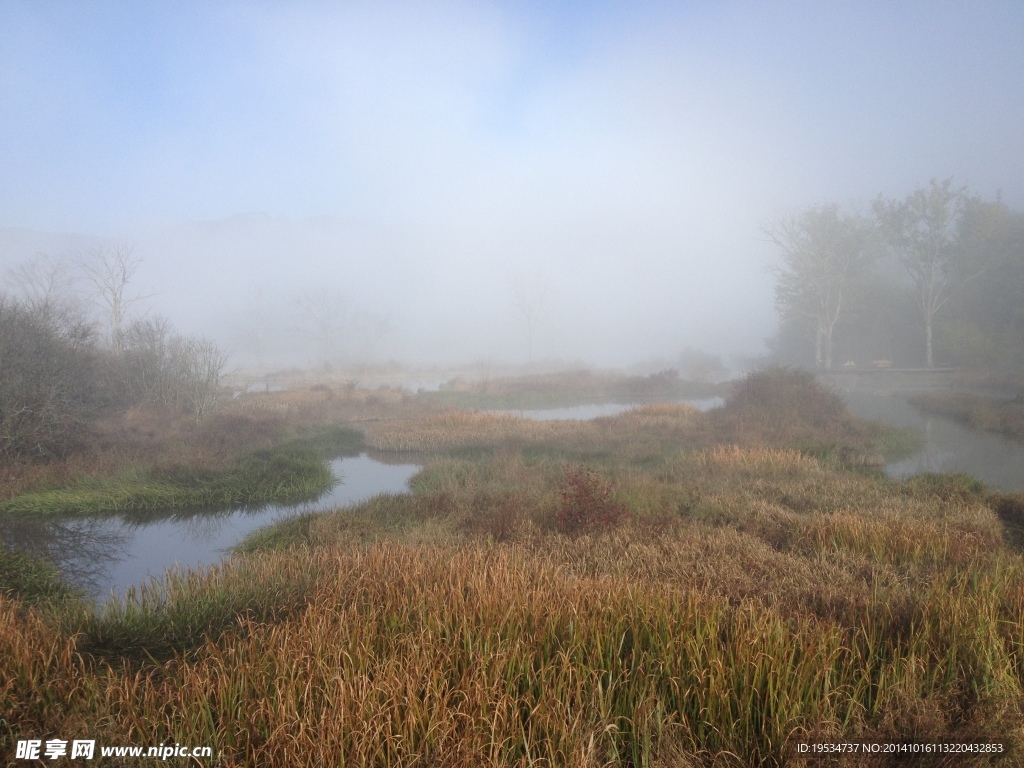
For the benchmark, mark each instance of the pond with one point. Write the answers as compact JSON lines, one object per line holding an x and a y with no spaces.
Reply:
{"x":106,"y":555}
{"x":948,"y":447}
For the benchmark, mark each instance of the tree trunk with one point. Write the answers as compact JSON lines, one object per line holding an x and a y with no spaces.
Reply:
{"x":930,"y":361}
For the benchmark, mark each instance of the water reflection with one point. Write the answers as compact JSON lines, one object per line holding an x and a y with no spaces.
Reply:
{"x":948,"y":447}
{"x":89,"y":548}
{"x":106,"y":555}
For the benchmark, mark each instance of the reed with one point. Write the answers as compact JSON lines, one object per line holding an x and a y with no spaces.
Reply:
{"x":511,"y":655}
{"x":757,"y":595}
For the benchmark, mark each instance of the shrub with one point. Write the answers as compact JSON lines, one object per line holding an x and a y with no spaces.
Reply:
{"x":46,"y":381}
{"x":791,"y":394}
{"x":785,"y":406}
{"x":161,"y":367}
{"x":586,"y":502}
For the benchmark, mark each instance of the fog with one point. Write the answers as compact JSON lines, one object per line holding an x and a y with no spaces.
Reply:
{"x":440,"y":171}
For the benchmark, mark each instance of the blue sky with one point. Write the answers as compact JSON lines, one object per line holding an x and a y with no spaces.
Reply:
{"x":628,"y":152}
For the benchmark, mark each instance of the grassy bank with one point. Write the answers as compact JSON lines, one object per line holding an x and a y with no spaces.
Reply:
{"x":662,"y":588}
{"x":989,"y":414}
{"x":293,"y":470}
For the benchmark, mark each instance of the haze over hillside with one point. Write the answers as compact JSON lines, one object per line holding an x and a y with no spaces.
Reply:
{"x":484,"y":181}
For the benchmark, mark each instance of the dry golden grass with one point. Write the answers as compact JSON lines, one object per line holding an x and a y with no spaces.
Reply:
{"x":756,"y":597}
{"x":556,"y":651}
{"x":774,"y":460}
{"x":455,"y":429}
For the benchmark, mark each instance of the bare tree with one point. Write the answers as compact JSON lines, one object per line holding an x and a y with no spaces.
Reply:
{"x":923,"y":231}
{"x":140,"y":372}
{"x":110,"y":271}
{"x":44,"y":284}
{"x":257,"y":323}
{"x":369,"y":329}
{"x":326,"y":311}
{"x":820,"y":250}
{"x":196,"y":366}
{"x":529,"y":295}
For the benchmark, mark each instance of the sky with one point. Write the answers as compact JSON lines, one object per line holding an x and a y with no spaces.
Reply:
{"x":434,"y":168}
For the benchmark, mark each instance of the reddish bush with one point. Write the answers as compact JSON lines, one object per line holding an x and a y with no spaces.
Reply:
{"x":586,"y":502}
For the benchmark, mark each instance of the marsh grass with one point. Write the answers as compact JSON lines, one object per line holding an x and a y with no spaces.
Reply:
{"x":779,"y":407}
{"x":578,"y":651}
{"x":292,"y":471}
{"x":30,"y":579}
{"x":567,"y":388}
{"x":758,"y":595}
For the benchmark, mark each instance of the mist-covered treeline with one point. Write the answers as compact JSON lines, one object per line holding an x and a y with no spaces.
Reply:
{"x":72,"y":347}
{"x":933,"y":279}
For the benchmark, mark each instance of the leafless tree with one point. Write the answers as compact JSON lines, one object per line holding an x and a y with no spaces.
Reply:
{"x":165,"y":368}
{"x":196,"y":366}
{"x":44,"y":283}
{"x":141,"y":371}
{"x":257,"y":311}
{"x":325,"y":313}
{"x":110,"y":271}
{"x":529,"y":296}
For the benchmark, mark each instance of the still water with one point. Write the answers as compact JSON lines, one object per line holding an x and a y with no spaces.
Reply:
{"x":106,"y":555}
{"x":596,"y":410}
{"x":948,"y":447}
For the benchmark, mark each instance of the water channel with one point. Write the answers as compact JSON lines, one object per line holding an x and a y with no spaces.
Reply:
{"x":948,"y":447}
{"x":107,"y":555}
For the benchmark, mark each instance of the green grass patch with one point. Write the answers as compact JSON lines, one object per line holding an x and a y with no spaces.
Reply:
{"x":897,"y":442}
{"x":283,"y":534}
{"x":186,"y":608}
{"x":294,"y":471}
{"x":31,"y":580}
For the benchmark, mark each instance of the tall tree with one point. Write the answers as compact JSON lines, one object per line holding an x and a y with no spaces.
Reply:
{"x":821,"y":248}
{"x":326,"y":312}
{"x":111,"y":271}
{"x":529,"y":295}
{"x":924,"y":232}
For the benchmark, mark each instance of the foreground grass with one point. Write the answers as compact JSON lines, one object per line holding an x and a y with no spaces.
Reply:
{"x":757,"y":596}
{"x":657,"y":643}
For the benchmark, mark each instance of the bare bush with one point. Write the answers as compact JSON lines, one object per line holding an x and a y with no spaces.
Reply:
{"x":47,"y":381}
{"x":167,"y":369}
